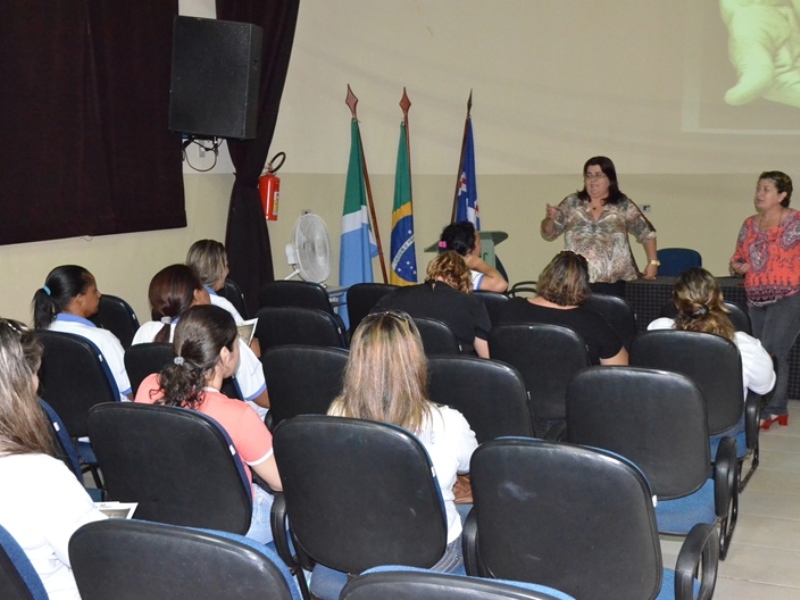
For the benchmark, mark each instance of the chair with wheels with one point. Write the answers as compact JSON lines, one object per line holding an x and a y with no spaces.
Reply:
{"x":303,"y":380}
{"x":547,"y":357}
{"x":494,"y":303}
{"x":133,"y":559}
{"x":715,"y":365}
{"x":118,"y":317}
{"x":490,"y":394}
{"x":18,"y":579}
{"x":437,"y":336}
{"x":657,"y":420}
{"x":617,"y":313}
{"x":282,"y":325}
{"x":675,"y":261}
{"x":178,"y":464}
{"x":362,"y":298}
{"x":579,"y":520}
{"x":357,"y":494}
{"x":738,"y":315}
{"x":406,"y":583}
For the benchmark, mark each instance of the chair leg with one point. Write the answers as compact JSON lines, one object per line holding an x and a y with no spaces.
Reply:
{"x":728,"y":524}
{"x":754,"y":461}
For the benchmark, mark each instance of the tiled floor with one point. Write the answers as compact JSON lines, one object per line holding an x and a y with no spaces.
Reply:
{"x":763,"y":562}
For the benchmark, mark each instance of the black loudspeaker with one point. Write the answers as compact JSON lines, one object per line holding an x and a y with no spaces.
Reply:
{"x":215,"y":77}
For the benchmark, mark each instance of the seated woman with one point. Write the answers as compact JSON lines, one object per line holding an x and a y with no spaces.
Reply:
{"x":561,"y":290}
{"x":209,"y":261}
{"x":173,"y":290}
{"x":42,"y":503}
{"x":206,"y":351}
{"x":700,"y":308}
{"x":446,"y":295}
{"x":65,"y":302}
{"x":386,"y":350}
{"x":462,"y":238}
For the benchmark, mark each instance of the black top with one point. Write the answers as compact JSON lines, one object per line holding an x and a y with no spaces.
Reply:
{"x":465,"y":313}
{"x":600,"y":338}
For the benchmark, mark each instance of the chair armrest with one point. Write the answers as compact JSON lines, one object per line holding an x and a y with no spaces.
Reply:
{"x":752,"y":417}
{"x":725,"y":470}
{"x":700,"y":551}
{"x":555,"y":432}
{"x":268,"y":421}
{"x":277,"y":520}
{"x":469,"y":544}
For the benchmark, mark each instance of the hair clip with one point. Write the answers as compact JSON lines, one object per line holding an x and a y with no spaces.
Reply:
{"x":178,"y":360}
{"x":443,"y":244}
{"x":46,"y":290}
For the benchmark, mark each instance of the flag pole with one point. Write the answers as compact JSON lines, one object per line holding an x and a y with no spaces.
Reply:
{"x":352,"y":102}
{"x":461,"y":160}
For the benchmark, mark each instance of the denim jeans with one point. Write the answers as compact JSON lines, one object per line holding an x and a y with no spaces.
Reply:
{"x":260,"y":528}
{"x":777,"y":326}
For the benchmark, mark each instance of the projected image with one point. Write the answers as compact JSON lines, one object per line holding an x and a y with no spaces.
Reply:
{"x":764,"y":48}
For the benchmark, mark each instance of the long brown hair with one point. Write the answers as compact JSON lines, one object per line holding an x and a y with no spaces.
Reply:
{"x":565,"y":280}
{"x":23,"y":427}
{"x":700,"y":304}
{"x":386,"y":378}
{"x":171,"y":293}
{"x":449,"y":267}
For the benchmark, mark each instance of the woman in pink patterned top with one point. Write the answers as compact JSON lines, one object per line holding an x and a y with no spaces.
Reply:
{"x":596,"y":222}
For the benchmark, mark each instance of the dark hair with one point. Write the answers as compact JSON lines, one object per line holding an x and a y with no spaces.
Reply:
{"x":783,"y":183}
{"x":458,"y":237}
{"x":171,"y":293}
{"x":700,"y":306}
{"x":208,"y":259}
{"x":615,"y":196}
{"x":200,"y":336}
{"x":565,"y":280}
{"x":61,"y":286}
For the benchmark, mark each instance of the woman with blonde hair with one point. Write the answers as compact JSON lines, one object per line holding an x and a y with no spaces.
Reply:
{"x":700,"y":306}
{"x":42,"y":503}
{"x":447,"y":296}
{"x":386,"y":379}
{"x":561,"y":291}
{"x":209,"y":261}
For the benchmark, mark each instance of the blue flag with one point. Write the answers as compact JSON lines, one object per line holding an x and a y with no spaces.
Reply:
{"x":467,"y":202}
{"x":404,"y":257}
{"x":358,"y":242}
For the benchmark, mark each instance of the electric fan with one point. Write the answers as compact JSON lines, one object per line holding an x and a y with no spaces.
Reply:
{"x":309,"y":252}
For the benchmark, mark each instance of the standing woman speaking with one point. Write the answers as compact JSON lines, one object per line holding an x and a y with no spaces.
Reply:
{"x":596,"y":222}
{"x":768,"y":256}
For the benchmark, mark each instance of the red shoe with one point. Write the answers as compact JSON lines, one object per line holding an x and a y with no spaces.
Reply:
{"x":782,"y":420}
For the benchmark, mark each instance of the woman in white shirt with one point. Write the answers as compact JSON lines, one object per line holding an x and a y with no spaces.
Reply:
{"x":386,"y":379}
{"x":700,"y":306}
{"x":42,"y":503}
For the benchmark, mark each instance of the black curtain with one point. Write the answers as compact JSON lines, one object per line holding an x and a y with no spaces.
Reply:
{"x":247,"y":238}
{"x":84,"y":97}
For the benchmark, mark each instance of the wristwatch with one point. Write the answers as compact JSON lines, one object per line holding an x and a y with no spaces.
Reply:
{"x":655,"y":261}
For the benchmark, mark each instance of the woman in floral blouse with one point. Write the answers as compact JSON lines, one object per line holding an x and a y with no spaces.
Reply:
{"x":596,"y":222}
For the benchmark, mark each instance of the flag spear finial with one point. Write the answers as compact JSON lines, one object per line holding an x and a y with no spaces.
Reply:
{"x":351,"y":101}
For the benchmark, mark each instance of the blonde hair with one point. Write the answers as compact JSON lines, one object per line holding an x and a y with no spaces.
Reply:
{"x":700,"y":304}
{"x":450,"y":268}
{"x":386,"y":378}
{"x":208,"y":259}
{"x":23,"y":427}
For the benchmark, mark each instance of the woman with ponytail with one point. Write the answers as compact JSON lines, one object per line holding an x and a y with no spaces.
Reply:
{"x":700,"y":306}
{"x":66,"y":301}
{"x":206,"y":352}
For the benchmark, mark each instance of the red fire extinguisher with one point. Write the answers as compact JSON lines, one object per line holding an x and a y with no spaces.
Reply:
{"x":269,"y":187}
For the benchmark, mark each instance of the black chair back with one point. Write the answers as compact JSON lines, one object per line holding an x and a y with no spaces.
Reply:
{"x":578,"y":520}
{"x":362,"y":298}
{"x":710,"y":360}
{"x":303,"y":380}
{"x":494,"y":303}
{"x":142,"y":360}
{"x":547,"y":357}
{"x":490,"y":394}
{"x":655,"y":419}
{"x":437,"y":337}
{"x":18,"y":579}
{"x":74,"y":377}
{"x":617,"y":313}
{"x":133,"y":559}
{"x":118,"y":317}
{"x":282,"y":325}
{"x":675,"y":261}
{"x":738,"y":315}
{"x":402,"y":584}
{"x":178,"y":464}
{"x":233,"y":294}
{"x":381,"y":503}
{"x":294,"y":293}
